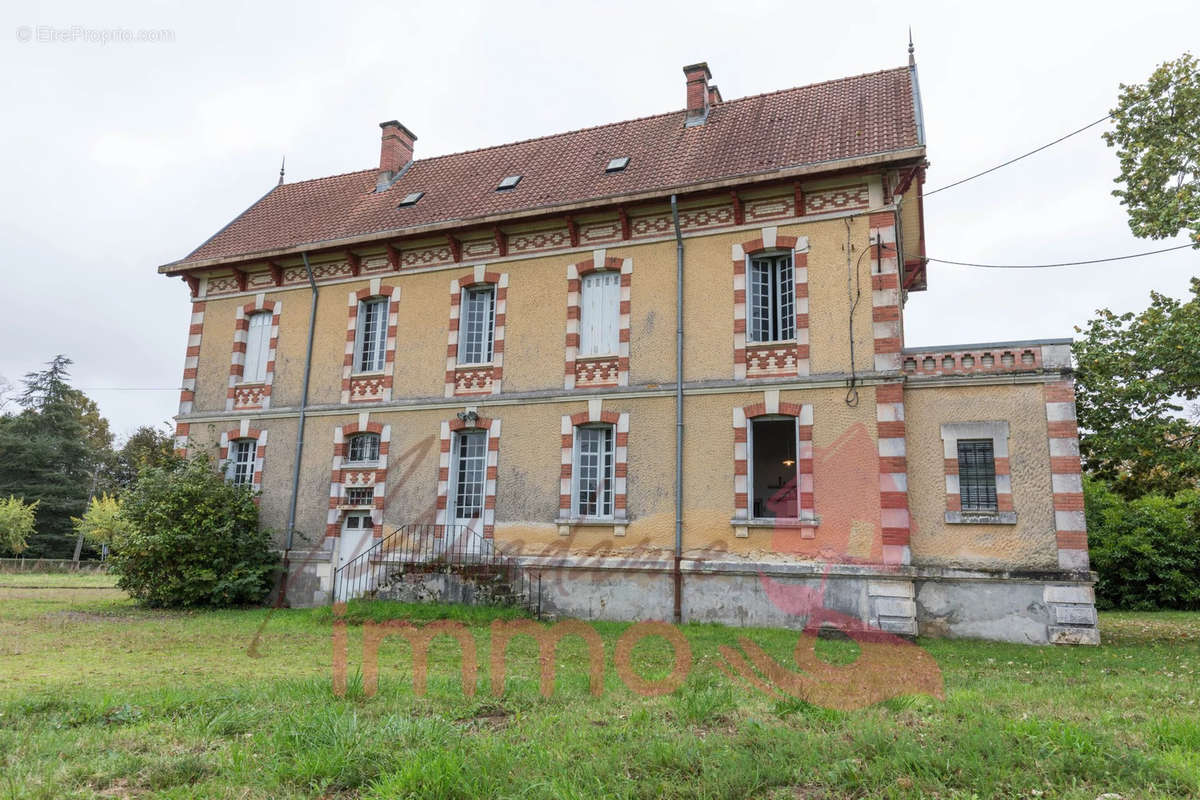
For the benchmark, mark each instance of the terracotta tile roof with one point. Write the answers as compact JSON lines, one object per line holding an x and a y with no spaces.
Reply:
{"x":830,"y":121}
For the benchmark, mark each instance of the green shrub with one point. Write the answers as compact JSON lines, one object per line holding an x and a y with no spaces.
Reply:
{"x":16,"y":524}
{"x":1145,"y":551}
{"x":192,"y":540}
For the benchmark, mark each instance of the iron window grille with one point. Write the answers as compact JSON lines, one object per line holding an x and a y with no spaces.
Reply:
{"x":976,"y":475}
{"x":240,"y":469}
{"x":364,"y":448}
{"x":772,"y":299}
{"x":470,"y":474}
{"x":359,"y":496}
{"x":370,"y":344}
{"x":594,"y":457}
{"x":478,"y":325}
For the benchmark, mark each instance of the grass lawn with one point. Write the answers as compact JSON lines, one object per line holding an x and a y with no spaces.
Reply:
{"x":101,"y":698}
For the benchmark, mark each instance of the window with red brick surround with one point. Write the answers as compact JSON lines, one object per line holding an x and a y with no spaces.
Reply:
{"x":255,"y":395}
{"x":244,"y":431}
{"x":481,"y":378}
{"x":347,"y":475}
{"x":607,"y":369}
{"x":770,"y":359}
{"x":743,"y":418}
{"x":620,"y":466}
{"x":370,"y":387}
{"x":486,"y":522}
{"x":998,"y":433}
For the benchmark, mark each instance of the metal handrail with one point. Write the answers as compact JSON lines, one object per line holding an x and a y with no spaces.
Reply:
{"x":426,"y":547}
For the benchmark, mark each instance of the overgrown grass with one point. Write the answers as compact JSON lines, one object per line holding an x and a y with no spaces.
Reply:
{"x":103,"y":699}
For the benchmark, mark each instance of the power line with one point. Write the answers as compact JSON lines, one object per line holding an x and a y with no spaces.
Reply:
{"x":128,"y":388}
{"x":1018,"y":158}
{"x":1062,"y":264}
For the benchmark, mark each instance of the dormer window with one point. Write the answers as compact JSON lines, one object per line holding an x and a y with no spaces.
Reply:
{"x":509,"y":183}
{"x":617,"y":164}
{"x":411,"y":199}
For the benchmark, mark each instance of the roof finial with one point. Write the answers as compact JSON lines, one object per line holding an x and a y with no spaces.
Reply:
{"x":912,"y":61}
{"x":282,"y":164}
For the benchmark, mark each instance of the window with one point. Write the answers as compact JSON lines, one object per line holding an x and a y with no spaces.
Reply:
{"x":411,"y":199}
{"x":976,"y":475}
{"x":239,"y":470}
{"x":370,"y":341}
{"x":470,"y":472}
{"x":617,"y":164}
{"x":258,"y":346}
{"x":358,"y":496}
{"x":600,"y":313}
{"x":509,"y":183}
{"x":593,"y":471}
{"x":773,"y":474}
{"x":772,"y":299}
{"x":477,"y":327}
{"x":364,"y":448}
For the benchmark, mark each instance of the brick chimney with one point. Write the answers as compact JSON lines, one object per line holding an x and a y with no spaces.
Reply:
{"x":714,"y":95}
{"x":697,"y":93}
{"x":395,"y":153}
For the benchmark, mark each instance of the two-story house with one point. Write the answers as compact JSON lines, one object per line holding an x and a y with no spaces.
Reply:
{"x":660,"y":361}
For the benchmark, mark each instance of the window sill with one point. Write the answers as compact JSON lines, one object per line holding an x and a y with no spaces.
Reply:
{"x":477,"y":365}
{"x":565,"y":524}
{"x":348,"y":507}
{"x":369,"y":374}
{"x":981,"y":518}
{"x":250,"y":384}
{"x":597,"y":356}
{"x":807,"y":525}
{"x":779,"y":343}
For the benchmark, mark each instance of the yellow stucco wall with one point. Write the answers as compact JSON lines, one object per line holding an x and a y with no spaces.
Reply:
{"x":1030,"y":544}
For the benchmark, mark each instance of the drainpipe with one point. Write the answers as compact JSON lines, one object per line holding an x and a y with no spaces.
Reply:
{"x":291,"y":524}
{"x":678,"y":413}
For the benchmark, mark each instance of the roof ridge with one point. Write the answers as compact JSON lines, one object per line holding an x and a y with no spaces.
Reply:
{"x":329,"y":177}
{"x":572,"y":132}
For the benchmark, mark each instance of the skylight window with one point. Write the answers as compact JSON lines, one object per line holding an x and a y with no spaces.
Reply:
{"x":509,"y":183}
{"x":617,"y":164}
{"x":411,"y":199}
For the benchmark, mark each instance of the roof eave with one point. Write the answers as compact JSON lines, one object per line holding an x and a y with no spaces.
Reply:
{"x":812,"y":168}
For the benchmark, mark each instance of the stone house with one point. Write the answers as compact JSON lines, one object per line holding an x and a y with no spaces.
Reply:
{"x":660,"y":361}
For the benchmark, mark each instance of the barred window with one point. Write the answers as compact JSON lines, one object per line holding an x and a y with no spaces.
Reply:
{"x":370,"y":344}
{"x":360,"y":496}
{"x":976,"y":475}
{"x":470,"y":473}
{"x":239,"y":470}
{"x":258,"y":346}
{"x":477,"y":326}
{"x":594,"y":471}
{"x":772,"y":299}
{"x":364,"y":448}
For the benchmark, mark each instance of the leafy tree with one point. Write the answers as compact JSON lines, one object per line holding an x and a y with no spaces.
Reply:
{"x":193,"y":540}
{"x":1146,"y":551}
{"x":103,"y":522}
{"x":1157,"y":136}
{"x":45,"y":456}
{"x":1133,"y":373}
{"x":16,"y":524}
{"x":148,"y":446}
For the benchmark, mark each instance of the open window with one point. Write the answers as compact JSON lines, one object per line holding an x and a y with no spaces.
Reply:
{"x":773,"y":474}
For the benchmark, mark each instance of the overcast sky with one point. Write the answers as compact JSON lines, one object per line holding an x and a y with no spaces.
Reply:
{"x":119,"y":157}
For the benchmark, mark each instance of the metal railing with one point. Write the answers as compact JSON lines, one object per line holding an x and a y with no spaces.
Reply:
{"x":424,"y":549}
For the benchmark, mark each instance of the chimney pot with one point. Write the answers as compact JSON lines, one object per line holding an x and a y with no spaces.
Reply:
{"x":697,"y":93}
{"x":395,"y":152}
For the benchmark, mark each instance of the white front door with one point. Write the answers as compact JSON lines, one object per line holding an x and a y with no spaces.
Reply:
{"x":355,"y":540}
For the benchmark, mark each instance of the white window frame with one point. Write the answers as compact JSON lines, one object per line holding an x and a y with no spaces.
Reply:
{"x":488,"y":345}
{"x":600,"y":337}
{"x":239,"y":468}
{"x":380,"y":334}
{"x":361,"y":437}
{"x":452,"y":503}
{"x":750,"y":484}
{"x":606,"y":505}
{"x":780,"y":300}
{"x":258,"y":347}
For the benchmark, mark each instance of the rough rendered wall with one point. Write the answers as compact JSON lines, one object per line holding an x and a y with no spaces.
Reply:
{"x":1030,"y":544}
